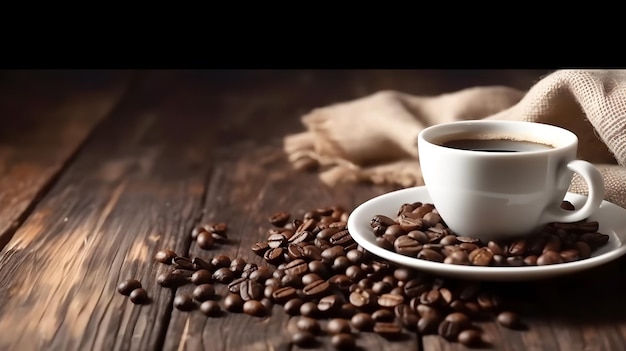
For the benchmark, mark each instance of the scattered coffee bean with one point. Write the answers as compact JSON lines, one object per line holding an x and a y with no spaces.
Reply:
{"x":165,"y":256}
{"x":203,"y":292}
{"x":254,"y":308}
{"x":362,"y":321}
{"x":201,"y":276}
{"x":509,"y":319}
{"x":127,"y":286}
{"x":184,"y":302}
{"x":303,"y":339}
{"x":233,"y":303}
{"x":308,"y":324}
{"x":279,"y":219}
{"x":211,"y":308}
{"x":171,"y":280}
{"x":470,"y":337}
{"x":338,"y":326}
{"x":139,"y":296}
{"x":343,"y":341}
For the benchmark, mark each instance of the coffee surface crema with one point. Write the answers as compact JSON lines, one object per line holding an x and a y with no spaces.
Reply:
{"x":496,"y":145}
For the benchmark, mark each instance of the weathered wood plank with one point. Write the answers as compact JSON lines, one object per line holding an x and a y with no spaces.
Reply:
{"x":136,"y":186}
{"x":44,"y":118}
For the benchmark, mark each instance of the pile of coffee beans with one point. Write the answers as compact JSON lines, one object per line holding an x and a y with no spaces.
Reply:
{"x":418,"y":231}
{"x":331,"y":285}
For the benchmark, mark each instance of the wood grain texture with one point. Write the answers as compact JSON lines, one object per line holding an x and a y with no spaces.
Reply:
{"x":44,"y":118}
{"x":135,"y":187}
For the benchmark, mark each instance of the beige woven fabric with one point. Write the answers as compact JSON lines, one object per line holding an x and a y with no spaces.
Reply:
{"x":372,"y":139}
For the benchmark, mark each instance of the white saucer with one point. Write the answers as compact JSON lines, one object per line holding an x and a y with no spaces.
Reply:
{"x":612,"y":220}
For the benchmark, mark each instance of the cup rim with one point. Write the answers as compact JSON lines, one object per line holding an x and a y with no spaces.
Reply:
{"x":435,"y":134}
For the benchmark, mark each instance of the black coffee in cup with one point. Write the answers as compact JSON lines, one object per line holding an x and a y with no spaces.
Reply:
{"x":495,"y":145}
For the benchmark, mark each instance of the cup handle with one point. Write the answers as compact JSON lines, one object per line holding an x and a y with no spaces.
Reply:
{"x":595,"y":184}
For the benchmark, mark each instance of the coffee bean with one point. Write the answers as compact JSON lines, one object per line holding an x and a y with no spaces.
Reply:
{"x":220,"y":228}
{"x":260,"y":274}
{"x":407,"y":246}
{"x":387,"y":330}
{"x":139,"y":296}
{"x":254,"y":308}
{"x":268,"y":304}
{"x":385,"y":243}
{"x":260,"y":248}
{"x":431,"y":298}
{"x":205,"y":240}
{"x":203,"y":292}
{"x":530,"y":260}
{"x":594,"y":240}
{"x":342,"y":238}
{"x":223,"y":275}
{"x":165,"y":256}
{"x":284,"y":294}
{"x":237,"y":265}
{"x":127,"y":286}
{"x":300,"y":237}
{"x":362,"y":321}
{"x":427,"y":325}
{"x":183,"y":263}
{"x":316,"y":288}
{"x":584,"y":250}
{"x":303,"y":339}
{"x":220,"y":261}
{"x":169,"y":280}
{"x":310,"y":278}
{"x":509,"y":319}
{"x":329,"y":303}
{"x":390,"y":300}
{"x":279,"y":219}
{"x":381,"y":287}
{"x":210,"y":308}
{"x":470,"y":337}
{"x":355,"y":273}
{"x":292,"y":307}
{"x":517,"y":248}
{"x":340,"y":264}
{"x":408,"y":223}
{"x":459,"y":257}
{"x":199,"y":263}
{"x":292,"y":280}
{"x":549,"y":257}
{"x":201,"y":276}
{"x":430,"y":255}
{"x":407,"y":316}
{"x":338,"y":326}
{"x":197,"y":230}
{"x":343,"y":341}
{"x":250,"y":290}
{"x":382,"y":220}
{"x":481,"y":257}
{"x":297,"y":267}
{"x":309,"y":309}
{"x":340,"y":282}
{"x":308,"y":324}
{"x":383,"y":315}
{"x":273,"y":256}
{"x":276,"y":240}
{"x":569,"y":255}
{"x":184,"y":302}
{"x":233,"y":303}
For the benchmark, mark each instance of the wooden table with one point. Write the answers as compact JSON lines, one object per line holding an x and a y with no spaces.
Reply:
{"x":99,"y":170}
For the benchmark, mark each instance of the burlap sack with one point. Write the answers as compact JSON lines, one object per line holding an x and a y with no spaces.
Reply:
{"x":373,"y":138}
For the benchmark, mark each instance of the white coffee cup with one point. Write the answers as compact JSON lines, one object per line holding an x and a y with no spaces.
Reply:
{"x":495,"y":195}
